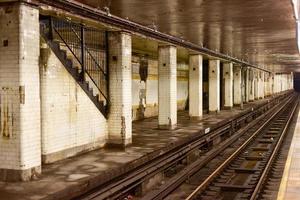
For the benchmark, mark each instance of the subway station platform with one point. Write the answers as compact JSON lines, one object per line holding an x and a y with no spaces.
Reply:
{"x":65,"y":178}
{"x":290,"y":183}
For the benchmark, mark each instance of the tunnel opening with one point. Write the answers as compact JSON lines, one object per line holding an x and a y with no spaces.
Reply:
{"x":297,"y":81}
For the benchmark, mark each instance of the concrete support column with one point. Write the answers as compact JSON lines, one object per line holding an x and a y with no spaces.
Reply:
{"x":20,"y":133}
{"x":288,"y":77}
{"x":256,"y":85}
{"x":283,"y":82}
{"x":195,"y":86}
{"x":276,"y":83}
{"x":271,"y":84}
{"x":292,"y":80}
{"x":214,"y":86}
{"x":167,"y":87}
{"x":237,"y":81}
{"x":280,"y":83}
{"x":246,"y":86}
{"x":251,"y":85}
{"x":228,"y":81}
{"x":263,"y":85}
{"x":119,"y":118}
{"x":266,"y":84}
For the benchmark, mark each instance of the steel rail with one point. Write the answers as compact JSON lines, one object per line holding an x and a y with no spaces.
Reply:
{"x":238,"y":151}
{"x":272,"y":157}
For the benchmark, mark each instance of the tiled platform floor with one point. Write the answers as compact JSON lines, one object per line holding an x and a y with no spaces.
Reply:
{"x":290,"y":183}
{"x":70,"y":175}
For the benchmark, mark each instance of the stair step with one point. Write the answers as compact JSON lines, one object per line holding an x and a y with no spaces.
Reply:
{"x":64,"y":54}
{"x":71,"y":64}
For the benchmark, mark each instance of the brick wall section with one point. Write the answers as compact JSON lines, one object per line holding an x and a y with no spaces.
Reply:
{"x":71,"y":123}
{"x":120,"y":119}
{"x":167,"y":86}
{"x":19,"y":93}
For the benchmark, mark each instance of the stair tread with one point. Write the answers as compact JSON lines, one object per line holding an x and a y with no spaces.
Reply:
{"x":75,"y":71}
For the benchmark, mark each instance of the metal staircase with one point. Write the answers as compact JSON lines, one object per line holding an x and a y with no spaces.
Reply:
{"x":83,"y":52}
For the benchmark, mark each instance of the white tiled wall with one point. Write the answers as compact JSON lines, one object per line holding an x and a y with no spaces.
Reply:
{"x":69,"y":117}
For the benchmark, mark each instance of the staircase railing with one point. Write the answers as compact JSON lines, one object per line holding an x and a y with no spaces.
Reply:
{"x":89,"y":48}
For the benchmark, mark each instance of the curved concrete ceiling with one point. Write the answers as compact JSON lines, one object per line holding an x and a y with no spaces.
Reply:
{"x":261,"y":32}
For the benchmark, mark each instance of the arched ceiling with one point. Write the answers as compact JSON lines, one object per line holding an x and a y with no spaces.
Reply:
{"x":261,"y":32}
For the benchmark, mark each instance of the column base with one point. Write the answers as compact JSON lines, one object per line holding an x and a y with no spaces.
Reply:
{"x":214,"y":111}
{"x":14,"y":175}
{"x":196,"y":118}
{"x":118,"y":144}
{"x":167,"y":127}
{"x":70,"y":152}
{"x":227,"y":107}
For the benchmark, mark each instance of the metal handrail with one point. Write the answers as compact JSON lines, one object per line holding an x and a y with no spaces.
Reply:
{"x":85,"y":53}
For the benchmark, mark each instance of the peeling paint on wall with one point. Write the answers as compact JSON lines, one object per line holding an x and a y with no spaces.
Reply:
{"x":6,"y":111}
{"x":123,"y":128}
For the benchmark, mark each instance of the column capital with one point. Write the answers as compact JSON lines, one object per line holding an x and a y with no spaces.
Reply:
{"x":120,"y":32}
{"x":164,"y":45}
{"x":195,"y":54}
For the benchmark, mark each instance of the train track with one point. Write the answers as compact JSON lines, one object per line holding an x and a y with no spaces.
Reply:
{"x":252,"y":170}
{"x":127,"y":185}
{"x":187,"y":180}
